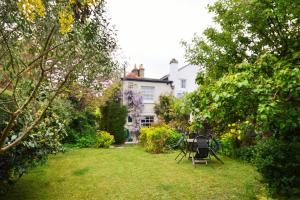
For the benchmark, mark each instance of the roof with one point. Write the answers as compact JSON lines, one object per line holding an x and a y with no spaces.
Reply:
{"x":165,"y":77}
{"x":132,"y":75}
{"x":147,"y":80}
{"x":181,"y":68}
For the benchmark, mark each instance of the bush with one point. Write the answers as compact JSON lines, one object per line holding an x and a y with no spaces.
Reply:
{"x":278,"y":161}
{"x":113,"y":119}
{"x":157,"y":139}
{"x":104,"y":139}
{"x":82,"y":130}
{"x":43,"y":140}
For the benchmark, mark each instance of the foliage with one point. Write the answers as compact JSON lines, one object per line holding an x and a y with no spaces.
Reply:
{"x":38,"y":61}
{"x":247,"y":30}
{"x":134,"y":103}
{"x":82,"y":130}
{"x":113,"y":116}
{"x":164,"y":109}
{"x":252,"y":75}
{"x":158,"y":138}
{"x":44,"y":139}
{"x":278,"y":160}
{"x":104,"y":139}
{"x":236,"y":136}
{"x":175,"y":112}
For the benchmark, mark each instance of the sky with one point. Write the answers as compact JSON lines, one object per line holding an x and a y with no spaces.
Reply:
{"x":149,"y":31}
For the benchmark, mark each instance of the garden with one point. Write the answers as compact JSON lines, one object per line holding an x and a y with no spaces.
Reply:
{"x":132,"y":173}
{"x":63,"y":109}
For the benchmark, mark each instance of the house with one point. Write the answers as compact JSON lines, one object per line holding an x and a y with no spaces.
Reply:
{"x":183,"y":78}
{"x":179,"y":81}
{"x":150,"y":89}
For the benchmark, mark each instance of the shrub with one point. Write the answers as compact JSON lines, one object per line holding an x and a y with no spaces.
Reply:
{"x":43,"y":140}
{"x":104,"y":139}
{"x":113,"y":119}
{"x":157,"y":139}
{"x":82,"y":130}
{"x":278,"y":161}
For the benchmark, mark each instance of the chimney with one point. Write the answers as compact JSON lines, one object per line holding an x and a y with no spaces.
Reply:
{"x":173,"y":67}
{"x":141,"y":71}
{"x":135,"y":70}
{"x":173,"y":70}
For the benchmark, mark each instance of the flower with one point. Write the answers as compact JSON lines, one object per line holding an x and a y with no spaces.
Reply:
{"x":31,"y":8}
{"x":66,"y":20}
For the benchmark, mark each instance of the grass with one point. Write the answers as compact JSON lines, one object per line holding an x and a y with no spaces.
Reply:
{"x":131,"y":173}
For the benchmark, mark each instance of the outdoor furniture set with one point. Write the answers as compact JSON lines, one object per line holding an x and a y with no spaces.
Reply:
{"x":197,"y":147}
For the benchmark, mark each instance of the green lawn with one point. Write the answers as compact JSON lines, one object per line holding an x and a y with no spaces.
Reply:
{"x":131,"y":173}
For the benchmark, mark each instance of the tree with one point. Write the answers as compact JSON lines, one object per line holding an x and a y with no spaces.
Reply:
{"x":44,"y":47}
{"x":174,"y":112}
{"x":164,"y":109}
{"x":251,"y":84}
{"x":247,"y":30}
{"x":113,"y":113}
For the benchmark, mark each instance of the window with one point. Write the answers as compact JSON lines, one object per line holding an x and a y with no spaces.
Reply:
{"x":183,"y":83}
{"x":129,"y":119}
{"x":130,"y":85}
{"x":147,"y":121}
{"x":179,"y":95}
{"x":148,"y":93}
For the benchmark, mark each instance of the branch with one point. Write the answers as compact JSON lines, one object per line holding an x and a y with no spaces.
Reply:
{"x":15,"y":114}
{"x":36,"y":121}
{"x":30,"y":65}
{"x":5,"y":88}
{"x":9,"y":51}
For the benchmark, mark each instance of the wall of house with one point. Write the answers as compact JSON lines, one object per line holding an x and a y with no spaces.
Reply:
{"x":187,"y":73}
{"x":159,"y":89}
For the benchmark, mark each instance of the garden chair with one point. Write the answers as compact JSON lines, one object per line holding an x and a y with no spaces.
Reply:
{"x":200,"y":147}
{"x":181,"y":145}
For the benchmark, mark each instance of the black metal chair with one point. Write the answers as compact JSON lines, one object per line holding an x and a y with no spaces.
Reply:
{"x":200,"y":147}
{"x":181,"y":145}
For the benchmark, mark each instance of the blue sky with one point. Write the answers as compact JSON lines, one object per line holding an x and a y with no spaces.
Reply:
{"x":149,"y":31}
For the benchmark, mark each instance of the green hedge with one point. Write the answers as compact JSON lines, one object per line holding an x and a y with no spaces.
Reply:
{"x":157,"y":139}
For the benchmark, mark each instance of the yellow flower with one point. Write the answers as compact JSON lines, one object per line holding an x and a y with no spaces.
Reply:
{"x":91,"y":2}
{"x":31,"y":8}
{"x":72,"y":2}
{"x":65,"y":19}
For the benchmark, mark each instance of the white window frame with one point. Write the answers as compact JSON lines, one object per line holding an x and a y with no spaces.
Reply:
{"x":147,"y":120}
{"x":148,"y":94}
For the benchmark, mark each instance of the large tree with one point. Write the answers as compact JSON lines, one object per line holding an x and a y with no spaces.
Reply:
{"x":245,"y":30}
{"x":44,"y":46}
{"x":249,"y":93}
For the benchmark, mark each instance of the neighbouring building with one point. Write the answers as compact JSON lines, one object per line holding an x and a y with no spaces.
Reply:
{"x":183,"y":78}
{"x":180,"y":80}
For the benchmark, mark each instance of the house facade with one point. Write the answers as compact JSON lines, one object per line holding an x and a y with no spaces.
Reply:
{"x":179,"y":81}
{"x":150,"y":89}
{"x":183,"y":78}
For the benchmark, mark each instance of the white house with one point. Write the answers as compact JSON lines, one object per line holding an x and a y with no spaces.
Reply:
{"x":150,"y":89}
{"x":183,"y":78}
{"x":180,"y":80}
